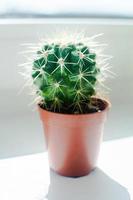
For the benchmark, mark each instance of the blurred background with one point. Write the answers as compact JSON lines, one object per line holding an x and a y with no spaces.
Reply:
{"x":26,"y":22}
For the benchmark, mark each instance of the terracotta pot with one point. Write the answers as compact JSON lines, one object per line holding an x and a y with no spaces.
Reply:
{"x":73,"y":140}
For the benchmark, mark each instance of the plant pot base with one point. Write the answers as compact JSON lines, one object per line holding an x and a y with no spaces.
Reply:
{"x":81,"y":174}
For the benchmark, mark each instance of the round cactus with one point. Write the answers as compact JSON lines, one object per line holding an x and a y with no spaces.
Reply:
{"x":65,"y":77}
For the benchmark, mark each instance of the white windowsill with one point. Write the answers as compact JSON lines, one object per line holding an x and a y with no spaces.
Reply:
{"x":28,"y":177}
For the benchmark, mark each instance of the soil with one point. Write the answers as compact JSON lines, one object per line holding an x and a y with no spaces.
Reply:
{"x":96,"y":105}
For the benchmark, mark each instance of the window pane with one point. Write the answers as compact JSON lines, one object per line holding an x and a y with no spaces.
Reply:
{"x":68,"y":8}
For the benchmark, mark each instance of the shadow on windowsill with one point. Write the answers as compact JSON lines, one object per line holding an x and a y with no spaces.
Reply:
{"x":95,"y":186}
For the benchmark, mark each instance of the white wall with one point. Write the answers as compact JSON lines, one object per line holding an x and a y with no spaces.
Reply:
{"x":20,"y":128}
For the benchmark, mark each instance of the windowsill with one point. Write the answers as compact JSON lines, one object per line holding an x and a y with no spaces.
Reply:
{"x":28,"y":177}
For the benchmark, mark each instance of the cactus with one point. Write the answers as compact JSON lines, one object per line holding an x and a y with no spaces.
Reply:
{"x":66,"y":76}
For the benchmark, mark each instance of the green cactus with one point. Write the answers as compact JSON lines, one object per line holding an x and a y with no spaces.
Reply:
{"x":65,"y":77}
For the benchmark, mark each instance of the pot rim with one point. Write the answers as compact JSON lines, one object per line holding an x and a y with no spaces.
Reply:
{"x":106,"y":102}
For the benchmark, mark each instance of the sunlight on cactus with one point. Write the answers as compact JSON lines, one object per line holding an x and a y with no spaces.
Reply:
{"x":67,"y":74}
